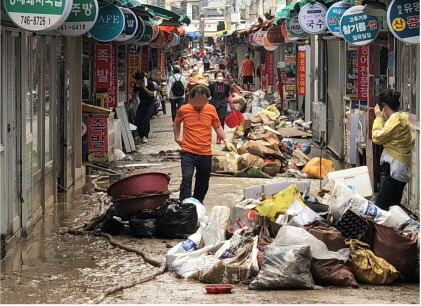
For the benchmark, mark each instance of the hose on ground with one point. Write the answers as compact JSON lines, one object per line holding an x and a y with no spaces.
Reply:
{"x":113,"y":242}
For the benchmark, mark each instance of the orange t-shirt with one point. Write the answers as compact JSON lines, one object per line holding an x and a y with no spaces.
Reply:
{"x":197,"y":128}
{"x":248,"y":67}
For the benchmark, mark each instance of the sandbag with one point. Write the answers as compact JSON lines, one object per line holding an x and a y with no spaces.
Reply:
{"x":399,"y":248}
{"x":176,"y":220}
{"x":285,"y":267}
{"x":367,"y":267}
{"x":328,"y":234}
{"x":235,"y":269}
{"x":332,"y":272}
{"x":315,"y":169}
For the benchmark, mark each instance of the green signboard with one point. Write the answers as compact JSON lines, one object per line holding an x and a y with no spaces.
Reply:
{"x":81,"y":19}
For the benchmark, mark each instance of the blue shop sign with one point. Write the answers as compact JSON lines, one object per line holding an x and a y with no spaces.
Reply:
{"x":109,"y":24}
{"x":130,"y":26}
{"x":403,"y":19}
{"x":334,"y":16}
{"x":357,"y":27}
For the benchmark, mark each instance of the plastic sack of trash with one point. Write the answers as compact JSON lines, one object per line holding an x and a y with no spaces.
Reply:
{"x":291,"y":235}
{"x":218,"y":221}
{"x":367,"y":267}
{"x":202,"y":218}
{"x":279,"y":203}
{"x":143,"y":223}
{"x":187,"y":264}
{"x":332,"y":272}
{"x":363,"y":207}
{"x":233,"y":270}
{"x":285,"y":267}
{"x":316,"y":169}
{"x":338,"y":200}
{"x":399,"y":248}
{"x":397,"y":217}
{"x":176,"y":220}
{"x":187,"y":245}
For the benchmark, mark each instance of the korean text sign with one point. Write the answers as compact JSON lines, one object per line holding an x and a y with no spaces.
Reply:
{"x":97,"y":134}
{"x":403,"y":19}
{"x":357,"y":27}
{"x":103,"y":63}
{"x":365,"y":73}
{"x":301,"y":81}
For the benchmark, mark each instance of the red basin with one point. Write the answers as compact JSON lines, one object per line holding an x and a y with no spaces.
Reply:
{"x":147,"y":182}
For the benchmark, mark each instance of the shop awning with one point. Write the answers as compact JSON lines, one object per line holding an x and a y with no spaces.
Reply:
{"x":160,"y":12}
{"x":294,"y":8}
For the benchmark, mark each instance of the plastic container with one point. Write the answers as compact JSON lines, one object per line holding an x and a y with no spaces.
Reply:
{"x":147,"y":182}
{"x":218,"y":288}
{"x":234,"y":119}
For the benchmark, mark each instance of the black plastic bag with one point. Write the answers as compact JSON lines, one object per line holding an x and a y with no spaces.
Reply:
{"x":112,"y":226}
{"x":143,"y":228}
{"x":176,"y":220}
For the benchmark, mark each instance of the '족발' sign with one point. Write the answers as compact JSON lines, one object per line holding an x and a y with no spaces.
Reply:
{"x":109,"y":24}
{"x":38,"y":15}
{"x":357,"y":27}
{"x":403,"y":19}
{"x":312,"y":18}
{"x":81,"y":18}
{"x":334,"y":16}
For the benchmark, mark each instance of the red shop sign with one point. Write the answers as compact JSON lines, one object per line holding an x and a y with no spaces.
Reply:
{"x":270,"y":67}
{"x":301,"y":77}
{"x":97,"y":134}
{"x":365,"y":68}
{"x":103,"y":54}
{"x":113,"y":88}
{"x":145,"y":58}
{"x":274,"y":35}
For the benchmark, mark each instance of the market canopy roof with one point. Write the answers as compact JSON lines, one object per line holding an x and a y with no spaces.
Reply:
{"x":294,"y":8}
{"x":156,"y":15}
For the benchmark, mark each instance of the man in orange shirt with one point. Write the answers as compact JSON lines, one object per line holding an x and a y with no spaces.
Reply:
{"x":247,"y":71}
{"x":198,"y":118}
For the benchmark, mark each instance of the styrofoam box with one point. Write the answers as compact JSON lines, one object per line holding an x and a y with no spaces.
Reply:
{"x":357,"y":177}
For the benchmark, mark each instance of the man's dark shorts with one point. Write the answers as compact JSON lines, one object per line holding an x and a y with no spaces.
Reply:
{"x":248,"y":79}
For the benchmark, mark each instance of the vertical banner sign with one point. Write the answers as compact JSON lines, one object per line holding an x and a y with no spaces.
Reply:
{"x":145,"y":58}
{"x":301,"y":71}
{"x":97,"y":134}
{"x":270,"y":67}
{"x":362,"y":80}
{"x":163,"y":64}
{"x":153,"y":59}
{"x":103,"y":66}
{"x":263,"y":76}
{"x":133,"y":63}
{"x":113,"y":89}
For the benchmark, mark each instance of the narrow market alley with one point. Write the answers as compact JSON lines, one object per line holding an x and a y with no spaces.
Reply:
{"x":54,"y":266}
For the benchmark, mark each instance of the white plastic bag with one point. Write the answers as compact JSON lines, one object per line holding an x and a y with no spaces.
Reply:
{"x":339,"y":200}
{"x":397,"y":217}
{"x":291,"y":235}
{"x":187,"y":245}
{"x":364,"y":207}
{"x":218,"y":221}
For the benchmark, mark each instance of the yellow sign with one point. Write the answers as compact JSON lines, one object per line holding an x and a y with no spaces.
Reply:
{"x":399,"y":24}
{"x":134,"y":61}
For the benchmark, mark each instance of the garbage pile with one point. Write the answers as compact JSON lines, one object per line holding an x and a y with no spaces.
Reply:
{"x":262,"y":151}
{"x":282,"y":241}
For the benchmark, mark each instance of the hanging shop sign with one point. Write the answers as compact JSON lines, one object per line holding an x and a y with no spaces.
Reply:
{"x":113,"y":89}
{"x":139,"y":32}
{"x":294,"y":28}
{"x":365,"y":78}
{"x":134,"y":58}
{"x":131,"y":24}
{"x":312,"y":18}
{"x":267,"y":45}
{"x":153,"y":59}
{"x":97,"y":134}
{"x":301,"y":77}
{"x":334,"y":16}
{"x":145,"y":58}
{"x":41,"y":15}
{"x":274,"y":35}
{"x":263,"y":79}
{"x":168,"y":38}
{"x":258,"y":37}
{"x":147,"y":34}
{"x":270,"y":67}
{"x":155,"y":30}
{"x":251,"y":40}
{"x":81,"y":19}
{"x":103,"y":54}
{"x":357,"y":27}
{"x":109,"y":24}
{"x":288,"y":37}
{"x":163,"y":62}
{"x":403,"y":19}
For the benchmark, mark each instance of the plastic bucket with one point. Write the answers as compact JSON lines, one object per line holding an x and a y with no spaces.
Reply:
{"x":234,"y":119}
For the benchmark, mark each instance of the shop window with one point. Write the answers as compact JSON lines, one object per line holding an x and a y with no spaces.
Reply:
{"x":48,"y":97}
{"x":87,"y":69}
{"x":195,"y":12}
{"x":37,"y":90}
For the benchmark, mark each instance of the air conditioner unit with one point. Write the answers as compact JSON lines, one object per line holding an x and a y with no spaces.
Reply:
{"x":318,"y":117}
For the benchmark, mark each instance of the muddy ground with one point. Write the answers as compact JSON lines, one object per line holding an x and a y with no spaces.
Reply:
{"x":53,"y":266}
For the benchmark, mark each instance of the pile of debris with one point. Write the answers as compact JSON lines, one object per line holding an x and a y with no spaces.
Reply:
{"x":281,"y":240}
{"x":262,"y":150}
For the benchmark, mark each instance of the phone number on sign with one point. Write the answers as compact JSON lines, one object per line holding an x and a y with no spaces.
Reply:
{"x":73,"y":27}
{"x":36,"y":21}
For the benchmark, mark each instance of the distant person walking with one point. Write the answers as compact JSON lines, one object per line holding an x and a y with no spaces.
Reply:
{"x":176,"y":87}
{"x":206,"y":61}
{"x":220,"y":91}
{"x":247,"y":72}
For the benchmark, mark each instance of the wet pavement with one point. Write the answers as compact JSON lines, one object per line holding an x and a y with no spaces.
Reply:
{"x":53,"y":266}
